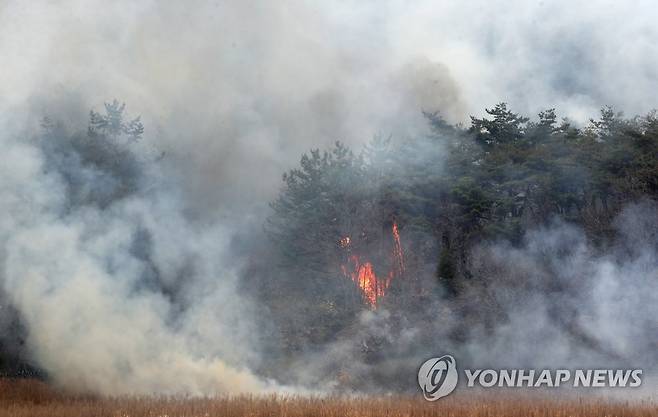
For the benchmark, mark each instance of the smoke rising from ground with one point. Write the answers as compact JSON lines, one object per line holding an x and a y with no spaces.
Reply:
{"x":555,"y":302}
{"x":570,"y":303}
{"x":232,"y":93}
{"x":119,"y":292}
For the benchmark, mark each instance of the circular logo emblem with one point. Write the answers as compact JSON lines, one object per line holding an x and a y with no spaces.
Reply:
{"x":437,"y":377}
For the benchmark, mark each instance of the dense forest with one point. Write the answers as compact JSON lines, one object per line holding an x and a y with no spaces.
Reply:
{"x":447,"y":195}
{"x":394,"y":230}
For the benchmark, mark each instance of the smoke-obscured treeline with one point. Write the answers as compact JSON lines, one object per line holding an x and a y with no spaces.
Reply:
{"x":513,"y":232}
{"x":506,"y":181}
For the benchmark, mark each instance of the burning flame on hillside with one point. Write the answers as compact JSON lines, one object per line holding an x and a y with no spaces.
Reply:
{"x":362,"y":272}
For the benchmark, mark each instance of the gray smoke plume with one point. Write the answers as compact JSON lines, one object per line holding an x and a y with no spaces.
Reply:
{"x":119,"y":292}
{"x":228,"y":86}
{"x":554,"y":302}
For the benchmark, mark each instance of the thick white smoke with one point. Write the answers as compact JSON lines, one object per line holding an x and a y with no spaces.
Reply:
{"x":562,"y":301}
{"x":126,"y":298}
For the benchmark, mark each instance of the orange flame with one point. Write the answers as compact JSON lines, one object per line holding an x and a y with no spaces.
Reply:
{"x":397,"y":250}
{"x":363,"y":273}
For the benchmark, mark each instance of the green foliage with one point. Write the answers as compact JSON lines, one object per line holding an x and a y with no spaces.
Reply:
{"x":493,"y":180}
{"x":320,"y":203}
{"x":450,"y":191}
{"x":317,"y":199}
{"x":505,"y":127}
{"x":112,"y":123}
{"x":99,"y":166}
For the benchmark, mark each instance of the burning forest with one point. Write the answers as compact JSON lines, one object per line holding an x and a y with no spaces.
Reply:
{"x":362,"y":273}
{"x":398,"y":201}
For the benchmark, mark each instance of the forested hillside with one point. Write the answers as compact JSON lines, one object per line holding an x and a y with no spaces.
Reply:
{"x":450,"y":196}
{"x":370,"y":256}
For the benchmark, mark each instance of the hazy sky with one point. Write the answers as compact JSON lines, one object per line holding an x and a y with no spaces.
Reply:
{"x":253,"y":84}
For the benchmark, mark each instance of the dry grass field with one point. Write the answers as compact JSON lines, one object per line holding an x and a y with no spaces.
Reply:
{"x":27,"y":398}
